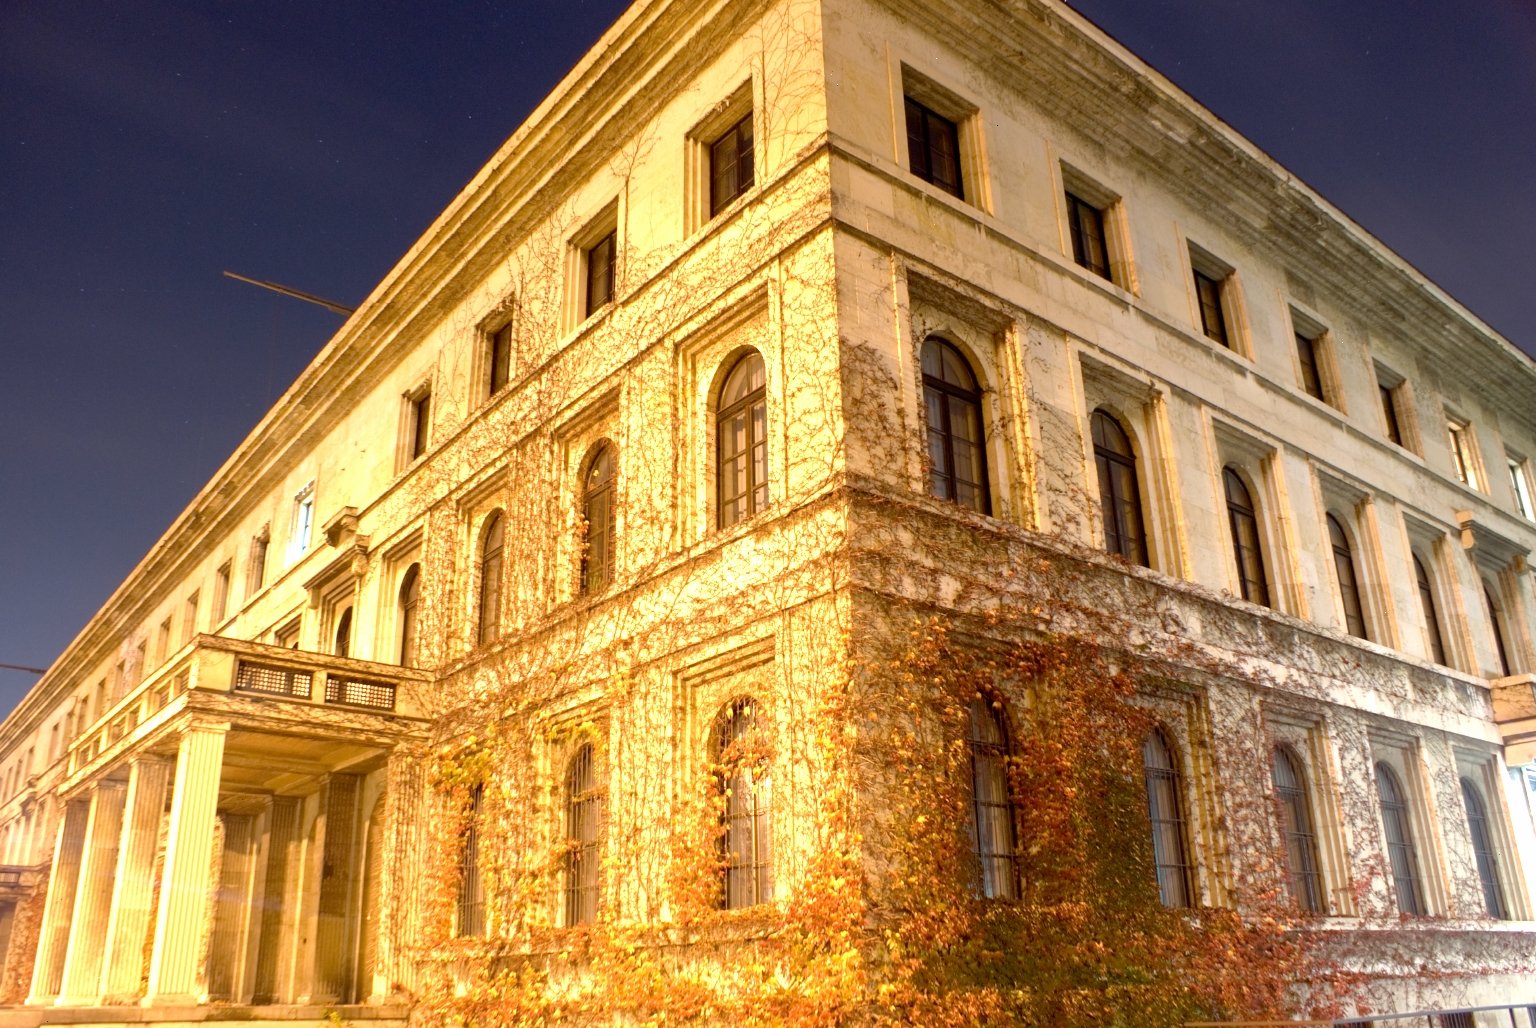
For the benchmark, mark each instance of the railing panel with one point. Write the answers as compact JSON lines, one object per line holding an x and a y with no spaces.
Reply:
{"x":357,"y":692}
{"x":273,"y":680}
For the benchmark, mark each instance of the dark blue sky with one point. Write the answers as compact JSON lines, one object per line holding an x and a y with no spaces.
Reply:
{"x":146,"y":146}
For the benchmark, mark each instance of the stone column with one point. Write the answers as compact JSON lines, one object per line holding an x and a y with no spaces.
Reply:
{"x":53,"y":940}
{"x":180,"y":921}
{"x":93,"y":897}
{"x":133,"y":887}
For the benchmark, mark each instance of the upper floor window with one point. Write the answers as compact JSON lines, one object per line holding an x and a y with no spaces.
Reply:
{"x":221,"y":579}
{"x":583,"y":815}
{"x":956,"y":450}
{"x":189,"y":618}
{"x":163,"y":640}
{"x":993,"y":828}
{"x":1215,"y":297}
{"x":1463,"y":452}
{"x":730,"y":165}
{"x":498,"y":359}
{"x":1085,"y":223}
{"x":933,"y":145}
{"x":256,"y":573}
{"x":418,"y":423}
{"x":303,"y":521}
{"x":410,"y":606}
{"x":471,"y":904}
{"x":1290,"y":780}
{"x":1165,"y":809}
{"x":1496,"y":622}
{"x":742,"y":778}
{"x":741,"y":438}
{"x":1247,"y":550}
{"x":1390,"y":414}
{"x":1349,"y":584}
{"x":1401,"y":853}
{"x":1520,"y":485}
{"x":1483,"y":851}
{"x":492,"y":539}
{"x":343,"y":646}
{"x":599,"y":259}
{"x":1431,"y":612}
{"x":1119,"y":492}
{"x":597,"y":512}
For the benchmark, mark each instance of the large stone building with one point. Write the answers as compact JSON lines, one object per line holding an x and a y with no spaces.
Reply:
{"x":776,"y":317}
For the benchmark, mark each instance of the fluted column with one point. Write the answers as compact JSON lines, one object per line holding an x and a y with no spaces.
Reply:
{"x":53,"y":940}
{"x":180,"y":921}
{"x":93,"y":897}
{"x":134,"y":884}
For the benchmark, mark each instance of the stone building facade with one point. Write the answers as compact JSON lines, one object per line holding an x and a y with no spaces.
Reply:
{"x":776,"y":317}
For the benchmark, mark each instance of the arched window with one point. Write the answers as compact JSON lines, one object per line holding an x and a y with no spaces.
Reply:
{"x":471,"y":905}
{"x":410,"y":602}
{"x":1482,"y":849}
{"x":1349,"y":583}
{"x":1431,"y":613}
{"x":1165,"y":809}
{"x":745,"y":846}
{"x":1243,"y":521}
{"x":992,"y":814}
{"x":492,"y":539}
{"x":1300,"y":836}
{"x":344,"y":634}
{"x":1496,"y":619}
{"x":583,"y":815}
{"x":1119,"y":492}
{"x":957,"y":453}
{"x":597,"y":514}
{"x":741,"y":442}
{"x":1399,"y":835}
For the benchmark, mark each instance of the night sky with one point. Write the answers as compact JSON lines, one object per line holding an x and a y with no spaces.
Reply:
{"x":147,"y":146}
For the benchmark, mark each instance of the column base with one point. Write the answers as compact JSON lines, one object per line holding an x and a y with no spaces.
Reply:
{"x":168,"y":999}
{"x":77,"y":1001}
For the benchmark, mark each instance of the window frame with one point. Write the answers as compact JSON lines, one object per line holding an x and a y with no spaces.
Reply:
{"x":223,"y":582}
{"x":943,"y":107}
{"x":469,"y":908}
{"x":996,"y":848}
{"x":752,"y":407}
{"x":605,"y":491}
{"x":939,"y":426}
{"x":256,"y":566}
{"x":923,"y":134}
{"x":582,"y":820}
{"x":416,"y":427}
{"x":1112,"y":505}
{"x":1169,"y":828}
{"x":1485,"y":850}
{"x":498,"y":358}
{"x":302,"y":524}
{"x":1396,"y":410}
{"x":1403,"y":863}
{"x":1216,"y":295}
{"x":1079,"y":191}
{"x":408,"y":604}
{"x":744,"y":149}
{"x":1429,"y":606}
{"x":1520,"y":485}
{"x":1346,"y":575}
{"x":490,"y":574}
{"x":1250,"y":514}
{"x":1462,"y":443}
{"x":1299,"y":831}
{"x":739,"y":720}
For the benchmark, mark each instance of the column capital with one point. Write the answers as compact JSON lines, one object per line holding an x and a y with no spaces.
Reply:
{"x":205,"y":725}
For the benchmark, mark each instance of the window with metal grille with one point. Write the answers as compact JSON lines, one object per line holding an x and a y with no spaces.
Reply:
{"x":599,"y":259}
{"x":1301,"y":859}
{"x":957,"y":455}
{"x":1401,"y":854}
{"x":741,"y":775}
{"x":471,"y":904}
{"x":1482,"y":849}
{"x":583,"y":820}
{"x":1085,"y":221}
{"x":1213,"y":320}
{"x":276,"y":681}
{"x":492,"y":539}
{"x":1431,"y":613}
{"x":1247,"y":551}
{"x":357,"y":692}
{"x":933,"y":144}
{"x":993,"y":826}
{"x":1119,"y":491}
{"x":741,"y":437}
{"x":598,"y":520}
{"x":1349,"y":584}
{"x":410,"y":603}
{"x":1165,"y":810}
{"x":730,"y":165}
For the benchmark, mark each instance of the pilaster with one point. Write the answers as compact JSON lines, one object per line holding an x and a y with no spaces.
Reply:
{"x":53,"y":940}
{"x":133,"y":886}
{"x":180,"y":921}
{"x":93,"y":897}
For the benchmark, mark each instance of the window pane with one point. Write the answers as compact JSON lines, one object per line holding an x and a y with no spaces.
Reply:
{"x":1399,"y":838}
{"x":1482,"y":849}
{"x":1300,"y":836}
{"x":1306,"y":355}
{"x":1165,"y":810}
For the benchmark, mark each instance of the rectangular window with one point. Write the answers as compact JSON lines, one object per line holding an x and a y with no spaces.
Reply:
{"x":1463,"y":460}
{"x":933,"y":145}
{"x":1086,"y":223}
{"x":163,"y":641}
{"x":1394,"y":405}
{"x":599,"y":260}
{"x":189,"y":620}
{"x":221,"y":594}
{"x":418,"y":424}
{"x":256,"y":574}
{"x":1306,"y":357}
{"x":1520,"y":483}
{"x":499,"y":359}
{"x":730,"y":165}
{"x":303,"y":522}
{"x":1213,"y":320}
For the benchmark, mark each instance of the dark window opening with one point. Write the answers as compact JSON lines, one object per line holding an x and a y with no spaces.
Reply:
{"x":1165,"y":810}
{"x":1086,"y":222}
{"x":933,"y":143}
{"x":1431,"y":614}
{"x":600,"y":263}
{"x":1119,"y":491}
{"x":492,"y":541}
{"x":1349,"y":585}
{"x":730,"y":165}
{"x":993,"y":826}
{"x":1482,"y":850}
{"x":1243,"y":522}
{"x":1401,"y":853}
{"x":1300,"y":835}
{"x":1213,"y":320}
{"x":957,"y":453}
{"x":741,"y":438}
{"x":597,"y":512}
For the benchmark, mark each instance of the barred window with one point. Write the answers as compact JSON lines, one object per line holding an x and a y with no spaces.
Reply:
{"x":492,"y":539}
{"x":471,"y":905}
{"x":741,"y":435}
{"x":1301,"y":858}
{"x":745,"y":845}
{"x":1401,"y":853}
{"x":1247,"y":550}
{"x":1119,"y":491}
{"x":1349,"y":585}
{"x":1482,"y":850}
{"x":583,"y":818}
{"x":410,"y":603}
{"x":1165,"y":810}
{"x":597,"y":513}
{"x":993,"y":825}
{"x":957,"y":455}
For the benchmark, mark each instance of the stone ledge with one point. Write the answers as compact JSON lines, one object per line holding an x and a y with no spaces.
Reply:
{"x":173,"y":1017}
